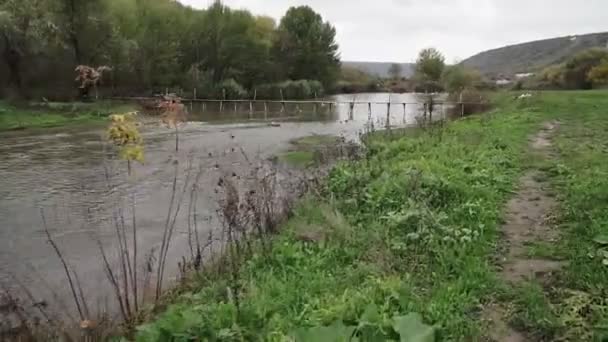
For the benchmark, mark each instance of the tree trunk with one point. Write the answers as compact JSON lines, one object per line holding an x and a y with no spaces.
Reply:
{"x":12,"y":57}
{"x":73,"y":36}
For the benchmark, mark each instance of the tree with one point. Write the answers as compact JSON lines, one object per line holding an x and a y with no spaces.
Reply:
{"x":305,"y":47}
{"x":82,"y":27}
{"x":599,"y":74}
{"x":154,"y":44}
{"x":25,"y":30}
{"x":553,"y":75}
{"x":395,"y":71}
{"x":430,"y":65}
{"x":457,"y":78}
{"x":577,"y":69}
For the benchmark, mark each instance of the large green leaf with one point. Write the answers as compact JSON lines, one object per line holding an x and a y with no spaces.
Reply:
{"x":411,"y":328}
{"x":337,"y":332}
{"x":370,"y":322}
{"x":601,"y":239}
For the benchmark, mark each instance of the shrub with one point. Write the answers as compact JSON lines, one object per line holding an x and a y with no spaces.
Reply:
{"x":292,"y":90}
{"x":469,"y":101}
{"x":232,"y":88}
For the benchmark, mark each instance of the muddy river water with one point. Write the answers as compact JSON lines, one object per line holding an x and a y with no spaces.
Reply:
{"x":71,"y":175}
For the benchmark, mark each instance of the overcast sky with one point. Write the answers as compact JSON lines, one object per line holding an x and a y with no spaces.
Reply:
{"x":395,"y":30}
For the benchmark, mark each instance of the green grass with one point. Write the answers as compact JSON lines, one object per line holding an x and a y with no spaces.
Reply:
{"x":53,"y":114}
{"x":297,"y":158}
{"x":579,"y":174}
{"x":412,"y":228}
{"x":302,"y":150}
{"x":535,"y":314}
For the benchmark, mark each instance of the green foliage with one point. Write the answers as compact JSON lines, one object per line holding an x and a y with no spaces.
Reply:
{"x":151,"y":45}
{"x":571,"y":305}
{"x":123,"y":133}
{"x":577,"y":69}
{"x":297,"y":158}
{"x":553,"y":75}
{"x":409,"y":328}
{"x":306,"y":48}
{"x":599,"y":74}
{"x":336,"y":332}
{"x":408,"y":229}
{"x":430,"y":65}
{"x":302,"y":152}
{"x":458,"y":78}
{"x":231,"y":89}
{"x":299,"y":89}
{"x":53,"y":114}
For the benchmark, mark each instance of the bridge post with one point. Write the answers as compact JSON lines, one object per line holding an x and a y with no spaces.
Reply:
{"x":388,"y":115}
{"x":404,"y":112}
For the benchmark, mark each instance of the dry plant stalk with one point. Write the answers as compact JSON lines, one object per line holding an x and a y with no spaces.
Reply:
{"x":89,"y":77}
{"x":173,"y":114}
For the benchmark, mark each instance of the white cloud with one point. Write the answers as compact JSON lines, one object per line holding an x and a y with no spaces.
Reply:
{"x":395,"y":30}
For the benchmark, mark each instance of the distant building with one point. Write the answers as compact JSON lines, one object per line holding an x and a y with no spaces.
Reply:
{"x":524,"y":75}
{"x":503,"y":81}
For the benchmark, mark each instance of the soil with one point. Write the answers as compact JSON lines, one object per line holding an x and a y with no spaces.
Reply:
{"x":527,"y":220}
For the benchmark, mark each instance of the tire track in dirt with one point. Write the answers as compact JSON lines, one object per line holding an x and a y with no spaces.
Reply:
{"x":526,"y":219}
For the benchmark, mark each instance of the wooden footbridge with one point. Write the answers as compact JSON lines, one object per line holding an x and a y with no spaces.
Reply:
{"x":315,"y":105}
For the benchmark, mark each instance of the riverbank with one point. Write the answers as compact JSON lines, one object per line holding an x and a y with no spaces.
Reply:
{"x":56,"y":114}
{"x":407,"y":240}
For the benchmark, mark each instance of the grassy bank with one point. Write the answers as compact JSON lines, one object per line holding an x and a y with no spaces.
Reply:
{"x":573,"y":304}
{"x":403,"y":243}
{"x":301,"y":153}
{"x":53,"y":114}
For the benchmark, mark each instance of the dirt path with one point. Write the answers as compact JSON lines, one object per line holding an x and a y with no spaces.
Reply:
{"x":526,"y":221}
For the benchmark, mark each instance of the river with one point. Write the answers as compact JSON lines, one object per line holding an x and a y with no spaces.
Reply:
{"x":71,"y":174}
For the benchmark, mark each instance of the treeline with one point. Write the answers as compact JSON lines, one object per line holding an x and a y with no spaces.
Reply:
{"x":431,"y":74}
{"x":151,"y":45}
{"x":585,"y":70}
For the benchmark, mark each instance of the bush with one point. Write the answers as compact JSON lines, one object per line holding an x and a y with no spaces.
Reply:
{"x":344,"y":87}
{"x":292,"y":90}
{"x":428,"y":86}
{"x":469,"y":101}
{"x":232,"y":88}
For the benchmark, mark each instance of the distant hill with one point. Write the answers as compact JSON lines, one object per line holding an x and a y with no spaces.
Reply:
{"x":533,"y":56}
{"x":379,"y":69}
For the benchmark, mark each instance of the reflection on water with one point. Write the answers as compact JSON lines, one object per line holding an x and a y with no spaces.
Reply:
{"x":71,"y":173}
